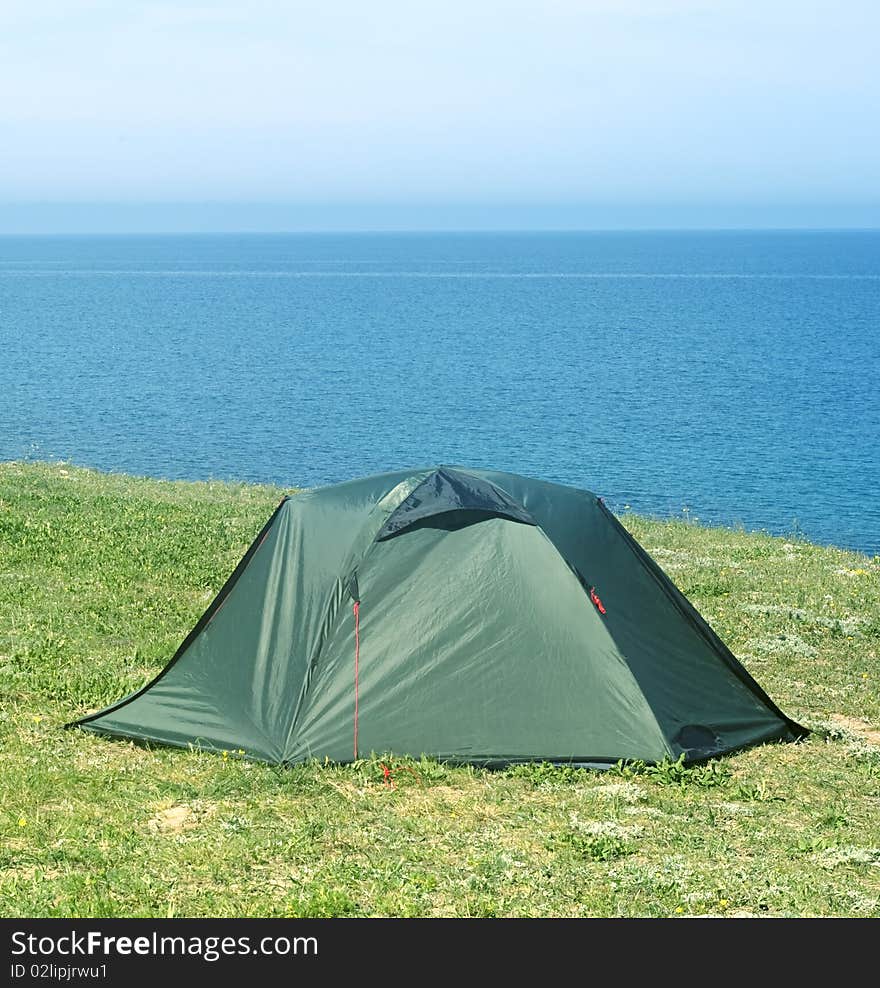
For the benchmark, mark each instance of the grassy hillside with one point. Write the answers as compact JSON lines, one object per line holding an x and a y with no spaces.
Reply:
{"x":100,"y":578}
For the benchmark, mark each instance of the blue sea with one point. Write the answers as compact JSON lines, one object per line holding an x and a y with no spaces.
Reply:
{"x":726,"y":376}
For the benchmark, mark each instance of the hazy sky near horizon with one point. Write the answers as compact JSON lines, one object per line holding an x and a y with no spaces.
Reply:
{"x":490,"y":101}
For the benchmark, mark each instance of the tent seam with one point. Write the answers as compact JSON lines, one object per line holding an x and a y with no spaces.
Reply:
{"x":333,"y":607}
{"x":686,"y":610}
{"x":199,"y":627}
{"x":571,"y":572}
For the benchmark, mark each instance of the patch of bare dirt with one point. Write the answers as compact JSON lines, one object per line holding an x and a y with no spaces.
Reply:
{"x":173,"y":820}
{"x":855,"y":725}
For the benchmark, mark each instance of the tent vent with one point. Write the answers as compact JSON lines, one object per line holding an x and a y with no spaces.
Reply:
{"x":447,"y":491}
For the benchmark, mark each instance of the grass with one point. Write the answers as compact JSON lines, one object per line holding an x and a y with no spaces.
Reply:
{"x":102,"y":575}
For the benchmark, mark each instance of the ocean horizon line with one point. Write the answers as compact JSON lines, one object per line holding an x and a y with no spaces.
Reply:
{"x":440,"y":231}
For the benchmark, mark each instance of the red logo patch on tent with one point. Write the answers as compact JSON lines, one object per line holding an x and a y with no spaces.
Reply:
{"x":597,"y":600}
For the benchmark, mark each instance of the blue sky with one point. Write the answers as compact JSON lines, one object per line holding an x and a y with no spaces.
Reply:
{"x":552,"y":112}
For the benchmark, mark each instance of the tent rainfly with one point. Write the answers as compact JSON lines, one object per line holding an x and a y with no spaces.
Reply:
{"x":469,"y":615}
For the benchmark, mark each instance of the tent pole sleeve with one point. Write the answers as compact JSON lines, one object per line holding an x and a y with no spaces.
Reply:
{"x":357,"y":657}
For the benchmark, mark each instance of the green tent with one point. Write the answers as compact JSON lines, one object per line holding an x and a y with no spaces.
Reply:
{"x":466,"y":614}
